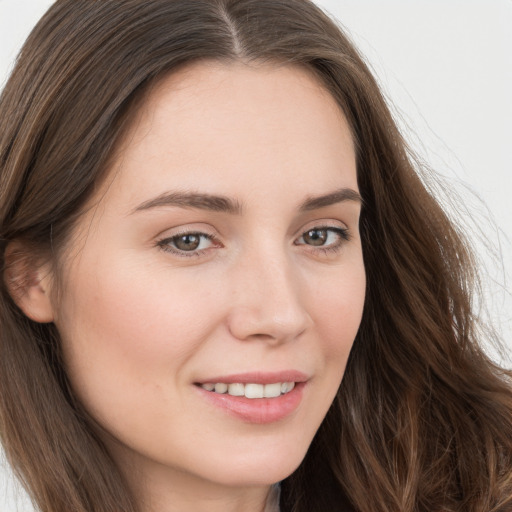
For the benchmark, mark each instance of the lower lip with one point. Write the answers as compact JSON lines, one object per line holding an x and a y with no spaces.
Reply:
{"x":257,"y":410}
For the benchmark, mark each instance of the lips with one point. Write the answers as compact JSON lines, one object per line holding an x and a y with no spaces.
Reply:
{"x":255,"y":397}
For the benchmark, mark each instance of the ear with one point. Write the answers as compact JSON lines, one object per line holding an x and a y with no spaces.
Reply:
{"x":28,"y":282}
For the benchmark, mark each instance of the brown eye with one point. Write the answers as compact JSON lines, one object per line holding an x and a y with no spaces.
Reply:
{"x":325,"y":238}
{"x":188,"y":242}
{"x":315,"y":236}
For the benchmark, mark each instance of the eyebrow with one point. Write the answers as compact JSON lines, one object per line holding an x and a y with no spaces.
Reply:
{"x":215,"y":203}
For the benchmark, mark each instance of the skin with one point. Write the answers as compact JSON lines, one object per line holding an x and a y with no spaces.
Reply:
{"x":142,"y":325}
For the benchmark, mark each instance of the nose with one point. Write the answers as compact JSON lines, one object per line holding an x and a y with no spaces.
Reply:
{"x":266,"y":300}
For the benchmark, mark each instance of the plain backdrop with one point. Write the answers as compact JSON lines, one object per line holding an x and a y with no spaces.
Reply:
{"x":446,"y":66}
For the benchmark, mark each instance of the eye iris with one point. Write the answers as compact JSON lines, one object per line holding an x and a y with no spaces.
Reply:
{"x":315,"y":236}
{"x":187,"y":242}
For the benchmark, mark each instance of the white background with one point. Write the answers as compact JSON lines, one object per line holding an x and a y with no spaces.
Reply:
{"x":447,"y":68}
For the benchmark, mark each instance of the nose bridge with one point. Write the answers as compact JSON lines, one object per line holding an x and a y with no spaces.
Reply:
{"x":266,"y":296}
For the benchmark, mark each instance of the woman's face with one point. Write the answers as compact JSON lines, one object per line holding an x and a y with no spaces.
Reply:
{"x":224,"y":252}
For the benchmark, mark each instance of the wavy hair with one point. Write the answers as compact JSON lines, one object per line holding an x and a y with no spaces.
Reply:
{"x":422,"y":420}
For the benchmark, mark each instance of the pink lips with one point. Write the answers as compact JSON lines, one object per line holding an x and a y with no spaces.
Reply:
{"x":257,"y":410}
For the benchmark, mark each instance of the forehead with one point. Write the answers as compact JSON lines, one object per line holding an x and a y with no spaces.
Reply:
{"x":221,"y":125}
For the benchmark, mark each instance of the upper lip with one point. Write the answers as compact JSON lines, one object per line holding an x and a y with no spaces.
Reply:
{"x":258,"y":377}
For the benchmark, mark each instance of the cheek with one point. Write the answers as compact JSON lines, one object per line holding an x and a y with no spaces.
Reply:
{"x":122,"y":336}
{"x":137,"y":312}
{"x":338,"y":307}
{"x":338,"y":310}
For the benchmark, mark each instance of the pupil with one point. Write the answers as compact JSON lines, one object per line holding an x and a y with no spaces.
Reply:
{"x":316,"y":237}
{"x":187,"y":242}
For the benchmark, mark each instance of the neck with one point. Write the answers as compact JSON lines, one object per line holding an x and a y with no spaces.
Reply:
{"x":163,"y":489}
{"x":175,"y":497}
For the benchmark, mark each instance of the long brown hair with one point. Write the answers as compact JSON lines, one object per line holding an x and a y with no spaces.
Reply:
{"x":422,"y":420}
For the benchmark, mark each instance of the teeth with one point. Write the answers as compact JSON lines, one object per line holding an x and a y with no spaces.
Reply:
{"x":286,"y":387}
{"x":236,"y":390}
{"x":250,"y":390}
{"x":272,"y":390}
{"x":254,"y":390}
{"x":221,"y":387}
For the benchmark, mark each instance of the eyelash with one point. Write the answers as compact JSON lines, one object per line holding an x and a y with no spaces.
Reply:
{"x":165,"y":246}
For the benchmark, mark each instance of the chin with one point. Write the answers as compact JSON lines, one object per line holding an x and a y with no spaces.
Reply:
{"x":261,"y":467}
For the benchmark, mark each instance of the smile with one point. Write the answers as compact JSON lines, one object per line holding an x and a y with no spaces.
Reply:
{"x":250,"y":390}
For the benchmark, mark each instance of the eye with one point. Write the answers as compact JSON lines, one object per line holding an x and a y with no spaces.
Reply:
{"x":192,"y":243}
{"x":324,"y":237}
{"x":187,"y":244}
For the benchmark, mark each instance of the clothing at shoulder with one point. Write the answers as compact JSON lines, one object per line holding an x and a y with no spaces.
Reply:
{"x":272,"y":504}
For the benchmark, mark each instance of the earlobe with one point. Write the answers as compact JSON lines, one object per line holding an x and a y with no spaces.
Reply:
{"x":28,"y":283}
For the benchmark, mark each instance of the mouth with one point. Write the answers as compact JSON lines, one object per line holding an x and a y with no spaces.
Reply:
{"x":255,"y":397}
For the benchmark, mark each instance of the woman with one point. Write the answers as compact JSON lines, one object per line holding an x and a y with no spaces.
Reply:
{"x":222,"y":272}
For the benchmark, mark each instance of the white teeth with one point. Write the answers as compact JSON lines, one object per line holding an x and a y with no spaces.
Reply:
{"x":251,"y":390}
{"x":254,"y":390}
{"x":236,"y":390}
{"x":286,"y":387}
{"x":220,"y":387}
{"x":272,"y":390}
